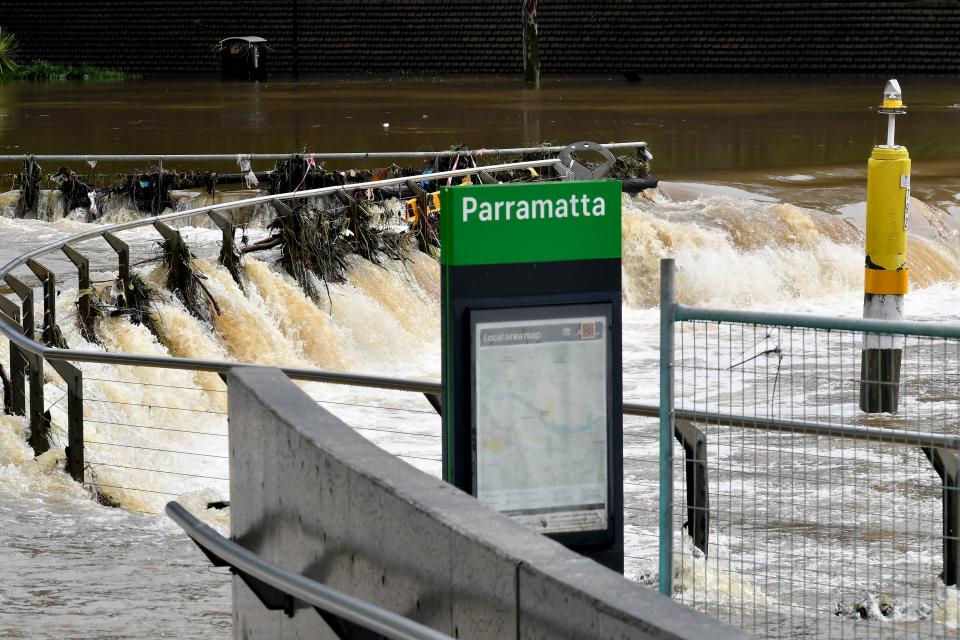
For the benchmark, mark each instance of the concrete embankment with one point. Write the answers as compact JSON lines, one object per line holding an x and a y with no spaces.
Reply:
{"x":312,"y":496}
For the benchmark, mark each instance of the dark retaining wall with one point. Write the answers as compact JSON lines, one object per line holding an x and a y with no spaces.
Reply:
{"x":469,"y":36}
{"x":310,"y":495}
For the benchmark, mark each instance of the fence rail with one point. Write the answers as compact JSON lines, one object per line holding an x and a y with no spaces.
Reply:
{"x":321,"y":155}
{"x":276,"y":587}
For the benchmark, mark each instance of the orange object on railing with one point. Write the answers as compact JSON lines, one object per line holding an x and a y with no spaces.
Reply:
{"x":413,"y":208}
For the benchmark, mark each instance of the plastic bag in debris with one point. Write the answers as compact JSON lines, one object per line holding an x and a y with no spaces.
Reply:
{"x":243,"y":161}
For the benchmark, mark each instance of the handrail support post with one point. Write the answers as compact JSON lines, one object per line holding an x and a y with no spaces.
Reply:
{"x":85,"y":292}
{"x":123,"y":261}
{"x":49,"y":282}
{"x":73,"y":377}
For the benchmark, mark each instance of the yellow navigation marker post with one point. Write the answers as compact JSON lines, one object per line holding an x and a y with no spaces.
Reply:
{"x":885,"y":275}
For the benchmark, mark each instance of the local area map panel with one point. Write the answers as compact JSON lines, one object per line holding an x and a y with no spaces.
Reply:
{"x":541,"y":421}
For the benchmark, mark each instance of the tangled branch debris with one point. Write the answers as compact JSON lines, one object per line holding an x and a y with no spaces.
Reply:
{"x":629,"y":167}
{"x":89,"y":315}
{"x":29,"y":189}
{"x":311,"y":246}
{"x":95,"y":487}
{"x":186,"y":281}
{"x":363,"y":237}
{"x":76,"y":194}
{"x":52,"y":336}
{"x":230,"y":258}
{"x":137,"y":303}
{"x":301,"y":172}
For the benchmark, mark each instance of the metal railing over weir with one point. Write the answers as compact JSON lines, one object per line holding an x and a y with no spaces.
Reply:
{"x":320,"y":155}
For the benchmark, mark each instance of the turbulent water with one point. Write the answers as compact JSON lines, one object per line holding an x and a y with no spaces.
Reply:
{"x":155,"y":435}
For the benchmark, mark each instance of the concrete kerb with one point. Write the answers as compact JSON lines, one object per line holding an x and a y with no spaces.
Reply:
{"x":312,"y":496}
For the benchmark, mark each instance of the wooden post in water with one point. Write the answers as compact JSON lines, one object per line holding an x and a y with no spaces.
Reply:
{"x":531,"y":44}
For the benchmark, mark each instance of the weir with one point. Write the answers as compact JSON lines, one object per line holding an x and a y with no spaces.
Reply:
{"x":707,"y":474}
{"x":151,"y":189}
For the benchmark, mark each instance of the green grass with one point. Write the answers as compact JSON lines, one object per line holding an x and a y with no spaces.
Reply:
{"x":43,"y":70}
{"x":11,"y":69}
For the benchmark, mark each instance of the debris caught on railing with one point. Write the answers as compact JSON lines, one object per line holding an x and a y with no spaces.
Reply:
{"x":184,"y":279}
{"x":29,"y":189}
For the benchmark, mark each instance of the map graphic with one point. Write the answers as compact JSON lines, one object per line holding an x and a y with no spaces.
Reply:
{"x":541,"y":421}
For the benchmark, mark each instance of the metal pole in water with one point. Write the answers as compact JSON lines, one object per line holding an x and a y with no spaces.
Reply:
{"x":885,"y":274}
{"x":531,"y":44}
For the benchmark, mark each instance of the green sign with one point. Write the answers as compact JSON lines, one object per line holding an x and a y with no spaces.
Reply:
{"x":541,"y":222}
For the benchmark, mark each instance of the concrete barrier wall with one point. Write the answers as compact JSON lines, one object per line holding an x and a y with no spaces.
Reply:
{"x":312,"y":496}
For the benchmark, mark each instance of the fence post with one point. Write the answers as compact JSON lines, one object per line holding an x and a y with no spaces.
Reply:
{"x":423,"y":198}
{"x":123,"y":261}
{"x":168,"y":232}
{"x":49,"y":282}
{"x":695,"y":472}
{"x":25,"y":294}
{"x":85,"y":292}
{"x":668,"y":294}
{"x":39,"y":419}
{"x":39,"y":425}
{"x":531,"y":44}
{"x":947,"y":465}
{"x":18,"y":393}
{"x":73,"y":376}
{"x":18,"y":381}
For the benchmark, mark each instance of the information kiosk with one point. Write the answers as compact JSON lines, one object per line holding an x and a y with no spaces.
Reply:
{"x":532,"y":405}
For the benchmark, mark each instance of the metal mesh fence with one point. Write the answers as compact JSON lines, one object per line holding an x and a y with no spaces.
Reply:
{"x":836,"y":530}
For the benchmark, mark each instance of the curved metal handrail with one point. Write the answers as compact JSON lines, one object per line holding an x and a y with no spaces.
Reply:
{"x":316,"y":594}
{"x":50,"y":353}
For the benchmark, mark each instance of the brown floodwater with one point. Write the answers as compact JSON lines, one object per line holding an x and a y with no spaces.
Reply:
{"x":692,"y":124}
{"x":801,"y":140}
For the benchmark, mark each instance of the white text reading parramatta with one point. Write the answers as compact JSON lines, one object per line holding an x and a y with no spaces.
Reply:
{"x":575,"y":206}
